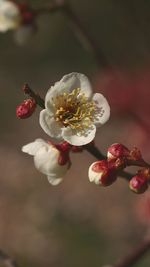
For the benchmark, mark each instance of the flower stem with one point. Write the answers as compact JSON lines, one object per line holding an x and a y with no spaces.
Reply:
{"x":29,"y":92}
{"x":93,"y":150}
{"x":134,"y":255}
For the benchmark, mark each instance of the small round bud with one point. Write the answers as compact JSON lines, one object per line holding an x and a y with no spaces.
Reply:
{"x":117,"y":151}
{"x":135,"y":154}
{"x":101,"y":173}
{"x":138,"y":184}
{"x":26,"y":108}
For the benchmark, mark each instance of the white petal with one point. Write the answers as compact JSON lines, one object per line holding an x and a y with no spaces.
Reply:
{"x":49,"y":125}
{"x":33,"y":147}
{"x":103,"y":107}
{"x":53,"y":180}
{"x":78,"y":140}
{"x":46,"y":161}
{"x":94,"y":176}
{"x":69,"y":82}
{"x":78,"y":80}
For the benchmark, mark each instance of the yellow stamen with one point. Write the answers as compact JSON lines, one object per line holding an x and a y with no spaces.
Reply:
{"x":74,"y":110}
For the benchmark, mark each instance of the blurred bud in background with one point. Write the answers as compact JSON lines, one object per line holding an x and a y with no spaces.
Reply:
{"x":10,"y":16}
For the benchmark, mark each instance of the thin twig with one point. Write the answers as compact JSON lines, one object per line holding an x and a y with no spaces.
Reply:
{"x":29,"y":92}
{"x":7,"y":260}
{"x":50,"y":8}
{"x":134,"y":255}
{"x":93,"y":150}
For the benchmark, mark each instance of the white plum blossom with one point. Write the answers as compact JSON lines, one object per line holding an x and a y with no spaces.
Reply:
{"x":10,"y":16}
{"x":46,"y":160}
{"x":72,"y":112}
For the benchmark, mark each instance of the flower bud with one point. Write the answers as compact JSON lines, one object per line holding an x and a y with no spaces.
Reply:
{"x":117,"y":151}
{"x":26,"y":108}
{"x":102,"y":173}
{"x":48,"y":160}
{"x":138,"y":184}
{"x":135,"y":154}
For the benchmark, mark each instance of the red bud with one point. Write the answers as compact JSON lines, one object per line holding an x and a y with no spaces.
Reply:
{"x":138,"y":184}
{"x":26,"y":108}
{"x":117,"y":151}
{"x":100,"y":172}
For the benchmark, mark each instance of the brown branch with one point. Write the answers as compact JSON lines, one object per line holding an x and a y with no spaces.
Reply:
{"x":134,"y":255}
{"x":93,"y":150}
{"x":7,"y":260}
{"x":29,"y":92}
{"x":50,"y":8}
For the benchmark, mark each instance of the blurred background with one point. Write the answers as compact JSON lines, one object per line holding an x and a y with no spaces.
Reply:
{"x":76,"y":223}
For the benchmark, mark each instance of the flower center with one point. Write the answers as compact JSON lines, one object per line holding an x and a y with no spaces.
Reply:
{"x":74,"y":110}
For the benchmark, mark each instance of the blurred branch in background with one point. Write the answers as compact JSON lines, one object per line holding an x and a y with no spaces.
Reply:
{"x":134,"y":255}
{"x":81,"y":32}
{"x":7,"y":260}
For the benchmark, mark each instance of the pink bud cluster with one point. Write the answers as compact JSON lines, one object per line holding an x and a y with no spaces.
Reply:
{"x":105,"y":172}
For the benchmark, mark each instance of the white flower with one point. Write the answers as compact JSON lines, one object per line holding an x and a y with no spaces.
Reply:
{"x":72,"y":112}
{"x":46,"y":160}
{"x":10,"y":16}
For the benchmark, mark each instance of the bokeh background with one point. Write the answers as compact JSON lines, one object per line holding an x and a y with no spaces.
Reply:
{"x":76,"y":223}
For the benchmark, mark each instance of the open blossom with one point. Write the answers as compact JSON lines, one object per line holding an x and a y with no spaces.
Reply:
{"x":48,"y":160}
{"x":18,"y":17}
{"x":72,"y":112}
{"x":10,"y":16}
